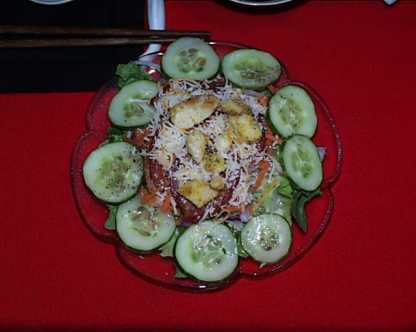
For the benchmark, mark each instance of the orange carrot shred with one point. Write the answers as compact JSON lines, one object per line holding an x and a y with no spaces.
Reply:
{"x":147,"y":197}
{"x":166,"y":206}
{"x":263,"y":170}
{"x":263,"y":100}
{"x":138,"y":138}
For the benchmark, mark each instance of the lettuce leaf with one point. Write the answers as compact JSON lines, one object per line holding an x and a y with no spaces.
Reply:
{"x":110,"y":223}
{"x":285,"y":188}
{"x":129,"y":73}
{"x":300,"y":198}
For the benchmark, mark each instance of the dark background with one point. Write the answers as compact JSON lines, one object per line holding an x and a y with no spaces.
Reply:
{"x":67,"y":69}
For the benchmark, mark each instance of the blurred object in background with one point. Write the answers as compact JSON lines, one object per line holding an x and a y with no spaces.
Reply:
{"x":261,"y":3}
{"x":390,"y":2}
{"x":51,"y":2}
{"x":156,"y":20}
{"x":67,"y":69}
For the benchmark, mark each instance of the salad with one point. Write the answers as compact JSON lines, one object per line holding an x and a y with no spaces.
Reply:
{"x":210,"y":163}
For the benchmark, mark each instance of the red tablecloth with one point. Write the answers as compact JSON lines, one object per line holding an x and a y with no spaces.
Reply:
{"x":360,"y":55}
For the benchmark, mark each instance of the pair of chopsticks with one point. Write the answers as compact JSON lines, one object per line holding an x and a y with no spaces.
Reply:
{"x":40,"y":36}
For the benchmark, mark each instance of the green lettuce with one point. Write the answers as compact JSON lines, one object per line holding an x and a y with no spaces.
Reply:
{"x":129,"y":73}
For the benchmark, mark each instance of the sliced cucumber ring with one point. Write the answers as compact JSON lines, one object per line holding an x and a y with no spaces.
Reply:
{"x":130,"y":107}
{"x":301,"y":162}
{"x":207,"y":251}
{"x":142,"y":227}
{"x":267,"y":238}
{"x":113,"y":172}
{"x":250,"y":68}
{"x":291,"y":111}
{"x":190,"y":58}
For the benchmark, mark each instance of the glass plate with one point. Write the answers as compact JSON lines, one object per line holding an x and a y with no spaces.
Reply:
{"x":160,"y":270}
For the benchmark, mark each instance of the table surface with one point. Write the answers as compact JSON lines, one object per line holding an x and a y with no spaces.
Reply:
{"x":360,"y":55}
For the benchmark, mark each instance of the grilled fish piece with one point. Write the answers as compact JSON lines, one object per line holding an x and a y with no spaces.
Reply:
{"x":196,"y":144}
{"x":214,"y":163}
{"x":198,"y":192}
{"x":235,"y":106}
{"x":246,"y":128}
{"x":217,"y":182}
{"x":190,"y":112}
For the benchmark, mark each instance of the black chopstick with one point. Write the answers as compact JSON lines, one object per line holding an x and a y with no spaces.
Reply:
{"x":40,"y":36}
{"x":79,"y":42}
{"x":12,"y":30}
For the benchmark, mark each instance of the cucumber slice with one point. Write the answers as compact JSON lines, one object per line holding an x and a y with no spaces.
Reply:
{"x":130,"y":107}
{"x":291,"y":111}
{"x":190,"y":58}
{"x":267,"y":238}
{"x":250,"y":68}
{"x":113,"y":172}
{"x":142,"y":227}
{"x":207,"y":251}
{"x":301,"y":162}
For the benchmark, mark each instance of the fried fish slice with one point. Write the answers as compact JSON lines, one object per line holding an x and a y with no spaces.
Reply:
{"x":190,"y":112}
{"x":196,"y":144}
{"x":246,"y":127}
{"x":223,"y":142}
{"x":234,"y":106}
{"x":198,"y":192}
{"x":214,"y":163}
{"x":217,"y":182}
